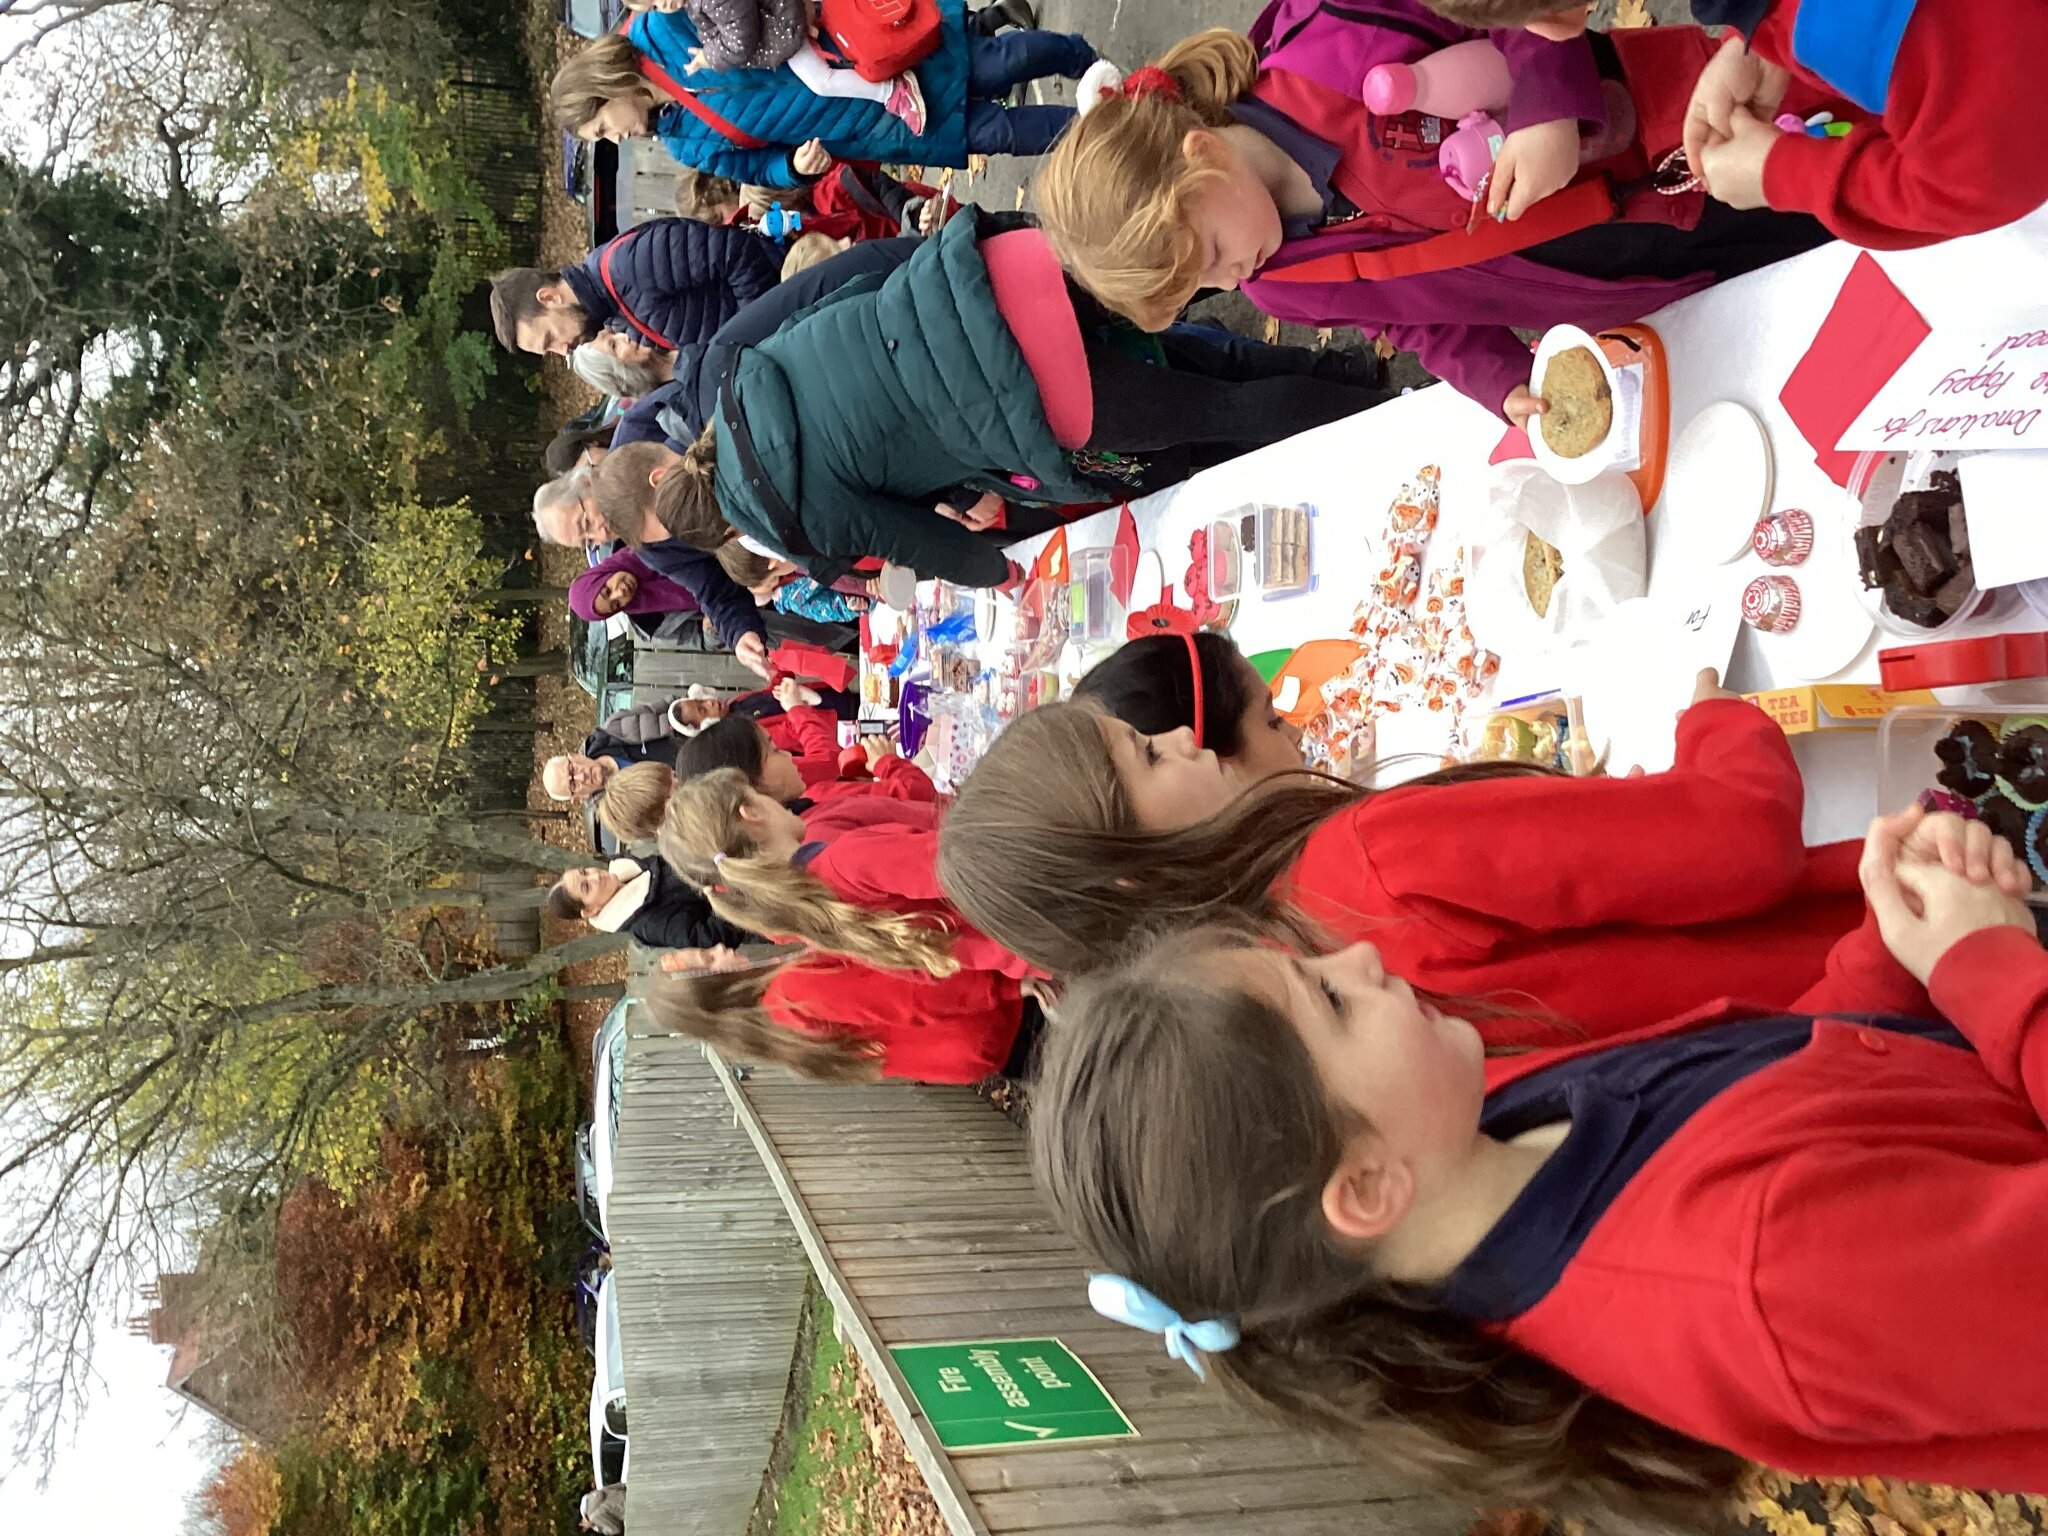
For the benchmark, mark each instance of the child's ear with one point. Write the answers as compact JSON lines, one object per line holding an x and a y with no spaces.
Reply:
{"x":1201,"y":145}
{"x":659,"y":473}
{"x":1368,"y":1194}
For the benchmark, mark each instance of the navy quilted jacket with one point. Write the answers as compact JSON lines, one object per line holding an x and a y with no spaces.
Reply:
{"x":882,"y":399}
{"x":772,"y":105}
{"x":680,"y":278}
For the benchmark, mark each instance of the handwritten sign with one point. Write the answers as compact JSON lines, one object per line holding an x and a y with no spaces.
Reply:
{"x":1980,"y":385}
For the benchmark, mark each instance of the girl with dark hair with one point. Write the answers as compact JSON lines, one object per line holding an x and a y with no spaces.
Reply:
{"x":1607,"y":903}
{"x":1595,"y":1278}
{"x":1201,"y":683}
{"x":815,"y":772}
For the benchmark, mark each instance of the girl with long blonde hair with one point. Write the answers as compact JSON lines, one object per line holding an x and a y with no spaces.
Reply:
{"x":839,"y":1020}
{"x":853,"y":877}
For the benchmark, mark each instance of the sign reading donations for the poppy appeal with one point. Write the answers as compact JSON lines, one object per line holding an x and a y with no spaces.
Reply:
{"x":1006,"y":1392}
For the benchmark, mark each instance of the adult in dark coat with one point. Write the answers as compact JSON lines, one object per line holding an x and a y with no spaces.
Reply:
{"x":645,"y":900}
{"x":668,"y":282}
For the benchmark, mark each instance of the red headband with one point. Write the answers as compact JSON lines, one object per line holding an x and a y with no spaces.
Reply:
{"x":1195,"y":673}
{"x":1151,"y":80}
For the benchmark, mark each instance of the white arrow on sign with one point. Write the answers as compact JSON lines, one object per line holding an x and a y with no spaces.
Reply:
{"x":1030,"y":1429}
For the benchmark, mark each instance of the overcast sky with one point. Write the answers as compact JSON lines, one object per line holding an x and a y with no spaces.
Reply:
{"x":135,"y":1464}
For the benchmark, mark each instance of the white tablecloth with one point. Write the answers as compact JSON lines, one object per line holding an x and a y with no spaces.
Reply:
{"x":1738,"y":341}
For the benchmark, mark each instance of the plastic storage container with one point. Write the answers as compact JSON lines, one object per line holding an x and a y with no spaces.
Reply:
{"x":1092,"y":605}
{"x":1909,"y":763}
{"x":1877,"y":481}
{"x":1276,"y":541}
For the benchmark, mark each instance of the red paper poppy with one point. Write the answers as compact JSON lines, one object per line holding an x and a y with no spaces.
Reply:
{"x":1162,"y":618}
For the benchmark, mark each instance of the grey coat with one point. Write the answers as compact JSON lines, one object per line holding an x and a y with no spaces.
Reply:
{"x":749,"y":34}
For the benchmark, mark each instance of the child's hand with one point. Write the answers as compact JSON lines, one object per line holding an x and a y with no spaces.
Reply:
{"x":980,"y":517}
{"x":789,"y":693}
{"x":717,"y":958}
{"x":1733,"y":167}
{"x":1708,"y":686}
{"x":1922,"y":908}
{"x":1533,"y":163}
{"x":932,"y":215}
{"x":1730,"y":80}
{"x":696,"y":61}
{"x":1523,"y":405}
{"x":810,"y":158}
{"x":1970,"y":849}
{"x":876,"y":748}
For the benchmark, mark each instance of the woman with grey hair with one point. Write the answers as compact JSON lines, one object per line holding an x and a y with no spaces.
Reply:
{"x":617,"y":364}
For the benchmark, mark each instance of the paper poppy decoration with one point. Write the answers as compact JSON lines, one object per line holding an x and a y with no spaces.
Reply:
{"x":1162,"y":618}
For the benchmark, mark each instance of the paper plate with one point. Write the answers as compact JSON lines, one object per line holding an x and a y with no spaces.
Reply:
{"x":1718,"y":483}
{"x":898,"y":586}
{"x":1833,"y":626}
{"x":1609,"y":454}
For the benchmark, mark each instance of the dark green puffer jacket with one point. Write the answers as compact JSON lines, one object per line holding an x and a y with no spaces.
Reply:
{"x":884,"y":398}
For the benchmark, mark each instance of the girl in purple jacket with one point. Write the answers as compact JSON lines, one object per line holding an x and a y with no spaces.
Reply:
{"x":1252,"y":162}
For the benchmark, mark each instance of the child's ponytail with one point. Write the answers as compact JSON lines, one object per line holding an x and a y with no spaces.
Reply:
{"x":1113,"y":193}
{"x":705,"y":840}
{"x":726,"y":1009}
{"x":1212,"y":69}
{"x":631,"y":806}
{"x":599,"y":73}
{"x":1180,"y":1131}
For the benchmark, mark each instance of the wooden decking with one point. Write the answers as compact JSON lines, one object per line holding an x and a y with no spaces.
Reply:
{"x":918,"y":1212}
{"x":711,"y":1282}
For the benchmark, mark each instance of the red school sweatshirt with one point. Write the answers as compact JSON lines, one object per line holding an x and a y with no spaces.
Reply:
{"x":1610,"y":903}
{"x":1839,"y":1264}
{"x":932,"y":1029}
{"x":894,"y":868}
{"x":1963,"y":143}
{"x":811,"y":736}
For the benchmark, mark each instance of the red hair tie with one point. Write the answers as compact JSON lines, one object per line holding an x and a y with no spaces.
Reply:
{"x":1151,"y":80}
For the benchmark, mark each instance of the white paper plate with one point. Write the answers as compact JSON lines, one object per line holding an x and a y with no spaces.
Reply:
{"x":1833,"y":624}
{"x":1718,"y":482}
{"x":1608,"y":454}
{"x":898,"y":586}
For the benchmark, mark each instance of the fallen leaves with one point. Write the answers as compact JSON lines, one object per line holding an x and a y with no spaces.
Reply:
{"x":1775,"y":1504}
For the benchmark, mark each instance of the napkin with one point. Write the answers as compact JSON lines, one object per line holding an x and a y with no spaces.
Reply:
{"x":1866,"y":338}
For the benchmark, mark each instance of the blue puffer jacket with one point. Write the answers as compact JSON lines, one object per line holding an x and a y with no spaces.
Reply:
{"x":681,"y":278}
{"x":775,"y":107}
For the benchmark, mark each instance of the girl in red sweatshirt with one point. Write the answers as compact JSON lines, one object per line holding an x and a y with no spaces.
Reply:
{"x":796,"y":756}
{"x":1607,"y":903}
{"x":853,"y":877}
{"x":1590,"y":1278}
{"x":1957,"y":116}
{"x":840,"y":1020}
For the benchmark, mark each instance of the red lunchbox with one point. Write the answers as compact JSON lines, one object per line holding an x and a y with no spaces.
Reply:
{"x":1954,"y":663}
{"x":881,"y":38}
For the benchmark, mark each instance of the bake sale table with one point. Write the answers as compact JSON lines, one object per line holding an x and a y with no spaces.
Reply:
{"x":1737,"y":342}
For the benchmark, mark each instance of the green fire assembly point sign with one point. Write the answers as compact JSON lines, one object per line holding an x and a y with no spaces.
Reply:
{"x":1009,"y":1392}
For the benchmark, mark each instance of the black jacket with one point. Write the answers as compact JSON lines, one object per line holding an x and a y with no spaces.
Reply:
{"x":676,"y":914}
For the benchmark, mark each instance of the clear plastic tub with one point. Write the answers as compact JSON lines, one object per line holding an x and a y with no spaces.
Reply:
{"x":1091,"y":603}
{"x":1877,"y":481}
{"x":1908,"y":764}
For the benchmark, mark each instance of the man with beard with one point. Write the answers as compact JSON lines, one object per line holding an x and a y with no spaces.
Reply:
{"x":668,"y":282}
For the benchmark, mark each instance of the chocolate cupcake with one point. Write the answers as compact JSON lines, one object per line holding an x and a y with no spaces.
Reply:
{"x":2008,"y":821}
{"x":2023,"y":760}
{"x":2036,"y":851}
{"x":1969,"y":759}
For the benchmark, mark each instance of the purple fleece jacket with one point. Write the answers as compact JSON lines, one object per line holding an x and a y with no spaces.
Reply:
{"x":1457,"y":321}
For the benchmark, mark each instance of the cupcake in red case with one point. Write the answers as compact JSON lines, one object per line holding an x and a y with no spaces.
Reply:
{"x":1783,"y":538}
{"x":1771,"y":603}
